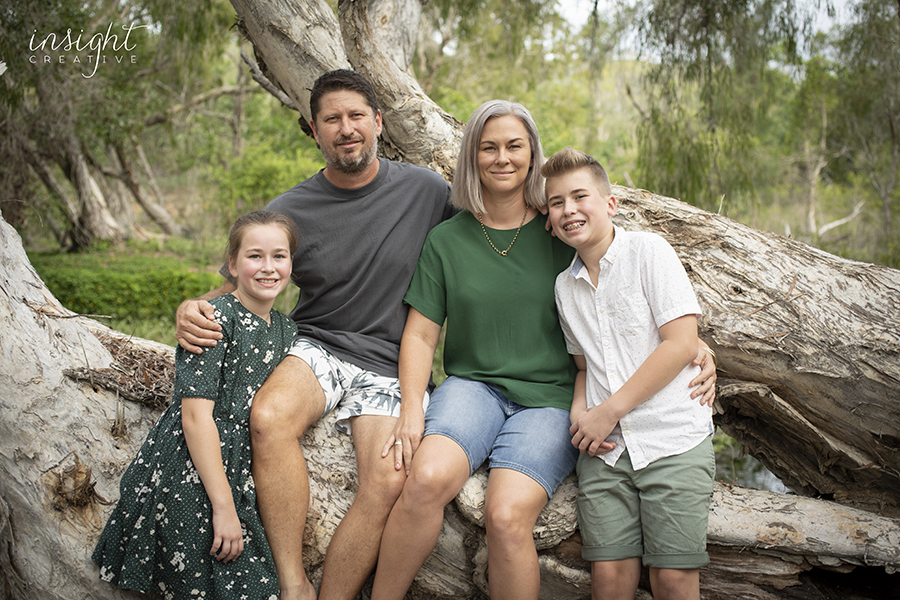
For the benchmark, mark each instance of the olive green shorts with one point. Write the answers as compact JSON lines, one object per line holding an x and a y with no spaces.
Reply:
{"x":659,"y":513}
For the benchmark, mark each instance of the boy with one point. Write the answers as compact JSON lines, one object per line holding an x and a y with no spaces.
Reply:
{"x":629,"y":314}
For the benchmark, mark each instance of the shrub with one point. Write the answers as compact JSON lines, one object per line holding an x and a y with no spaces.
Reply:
{"x":131,"y":287}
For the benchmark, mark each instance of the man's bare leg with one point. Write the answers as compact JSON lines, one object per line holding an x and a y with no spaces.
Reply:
{"x":290,"y":401}
{"x":353,"y":550}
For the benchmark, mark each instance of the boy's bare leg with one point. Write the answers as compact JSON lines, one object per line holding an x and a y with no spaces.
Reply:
{"x":615,"y":579}
{"x":675,"y":584}
{"x":513,"y":503}
{"x":353,"y":550}
{"x":287,"y":404}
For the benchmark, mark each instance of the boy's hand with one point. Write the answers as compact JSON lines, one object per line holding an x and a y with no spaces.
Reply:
{"x":589,"y":432}
{"x":195,"y":325}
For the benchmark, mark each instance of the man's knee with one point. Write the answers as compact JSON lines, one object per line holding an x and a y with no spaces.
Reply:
{"x":286,"y":405}
{"x":380,"y":488}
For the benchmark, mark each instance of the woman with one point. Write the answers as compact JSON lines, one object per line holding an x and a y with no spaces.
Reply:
{"x":489,"y":271}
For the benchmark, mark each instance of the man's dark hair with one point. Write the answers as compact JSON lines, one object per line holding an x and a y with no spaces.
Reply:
{"x":340,"y":80}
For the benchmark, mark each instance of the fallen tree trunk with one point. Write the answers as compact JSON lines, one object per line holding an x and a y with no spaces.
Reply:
{"x":66,"y":438}
{"x":809,"y":341}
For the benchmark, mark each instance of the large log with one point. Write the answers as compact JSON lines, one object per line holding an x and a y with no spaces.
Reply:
{"x":809,"y":354}
{"x":66,"y":438}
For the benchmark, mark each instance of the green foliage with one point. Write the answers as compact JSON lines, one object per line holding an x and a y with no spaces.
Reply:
{"x":709,"y":92}
{"x":139,"y":284}
{"x":260,"y":174}
{"x":276,"y":155}
{"x":130,"y":285}
{"x":158,"y":329}
{"x":867,"y":119}
{"x":84,"y":76}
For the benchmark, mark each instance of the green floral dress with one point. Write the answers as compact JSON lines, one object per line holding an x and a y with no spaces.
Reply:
{"x":159,"y":536}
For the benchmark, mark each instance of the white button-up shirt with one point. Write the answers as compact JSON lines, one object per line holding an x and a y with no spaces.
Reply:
{"x":642,"y":285}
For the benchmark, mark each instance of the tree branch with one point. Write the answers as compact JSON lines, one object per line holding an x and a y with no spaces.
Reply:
{"x":166,"y":116}
{"x":267,"y":85}
{"x":839,"y":222}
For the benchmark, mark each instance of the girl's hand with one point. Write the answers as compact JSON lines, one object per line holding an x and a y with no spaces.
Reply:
{"x":228,"y":538}
{"x":406,"y":438}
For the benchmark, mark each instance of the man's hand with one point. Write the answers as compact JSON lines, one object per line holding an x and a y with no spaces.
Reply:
{"x":195,"y":325}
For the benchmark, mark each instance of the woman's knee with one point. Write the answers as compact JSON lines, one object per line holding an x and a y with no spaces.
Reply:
{"x":513,"y":504}
{"x":512,"y":521}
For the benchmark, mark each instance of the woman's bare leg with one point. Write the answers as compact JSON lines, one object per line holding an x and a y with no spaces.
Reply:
{"x":438,"y":471}
{"x":514,"y":501}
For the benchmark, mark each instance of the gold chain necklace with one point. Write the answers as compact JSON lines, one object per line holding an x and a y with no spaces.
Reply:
{"x":502,"y":252}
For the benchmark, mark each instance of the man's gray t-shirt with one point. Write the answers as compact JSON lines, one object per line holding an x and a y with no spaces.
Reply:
{"x":358,"y":251}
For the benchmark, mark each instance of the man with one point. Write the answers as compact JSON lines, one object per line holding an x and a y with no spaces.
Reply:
{"x":362,"y":223}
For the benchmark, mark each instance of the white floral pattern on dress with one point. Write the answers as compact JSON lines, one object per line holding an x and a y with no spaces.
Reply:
{"x":158,"y":537}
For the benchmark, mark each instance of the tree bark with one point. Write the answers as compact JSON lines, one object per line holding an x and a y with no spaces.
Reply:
{"x":95,"y":222}
{"x":814,"y":354}
{"x":63,"y":446}
{"x":154,"y":209}
{"x":45,"y":174}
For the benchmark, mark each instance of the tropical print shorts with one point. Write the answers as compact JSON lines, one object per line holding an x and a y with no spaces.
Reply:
{"x":352,"y":390}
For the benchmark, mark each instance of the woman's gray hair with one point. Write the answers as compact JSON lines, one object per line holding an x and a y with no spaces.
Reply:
{"x":466,"y":192}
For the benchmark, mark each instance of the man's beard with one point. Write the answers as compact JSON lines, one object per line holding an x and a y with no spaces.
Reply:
{"x":349,"y":163}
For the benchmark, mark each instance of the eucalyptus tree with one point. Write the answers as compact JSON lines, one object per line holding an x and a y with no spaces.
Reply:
{"x":868,"y":57}
{"x":82,"y":79}
{"x":708,"y":89}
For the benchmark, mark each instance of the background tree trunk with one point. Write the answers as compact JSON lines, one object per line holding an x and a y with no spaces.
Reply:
{"x":95,"y":222}
{"x":151,"y":205}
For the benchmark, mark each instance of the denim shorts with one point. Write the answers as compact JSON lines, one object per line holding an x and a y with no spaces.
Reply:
{"x":350,"y":389}
{"x":486,"y":424}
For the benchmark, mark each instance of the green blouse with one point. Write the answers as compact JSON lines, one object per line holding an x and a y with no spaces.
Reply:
{"x":502,"y":324}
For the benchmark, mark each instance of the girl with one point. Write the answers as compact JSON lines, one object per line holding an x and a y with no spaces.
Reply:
{"x":186,"y":523}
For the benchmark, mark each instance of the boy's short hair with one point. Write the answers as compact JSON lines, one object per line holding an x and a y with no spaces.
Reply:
{"x":341,"y":80}
{"x":570,"y":159}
